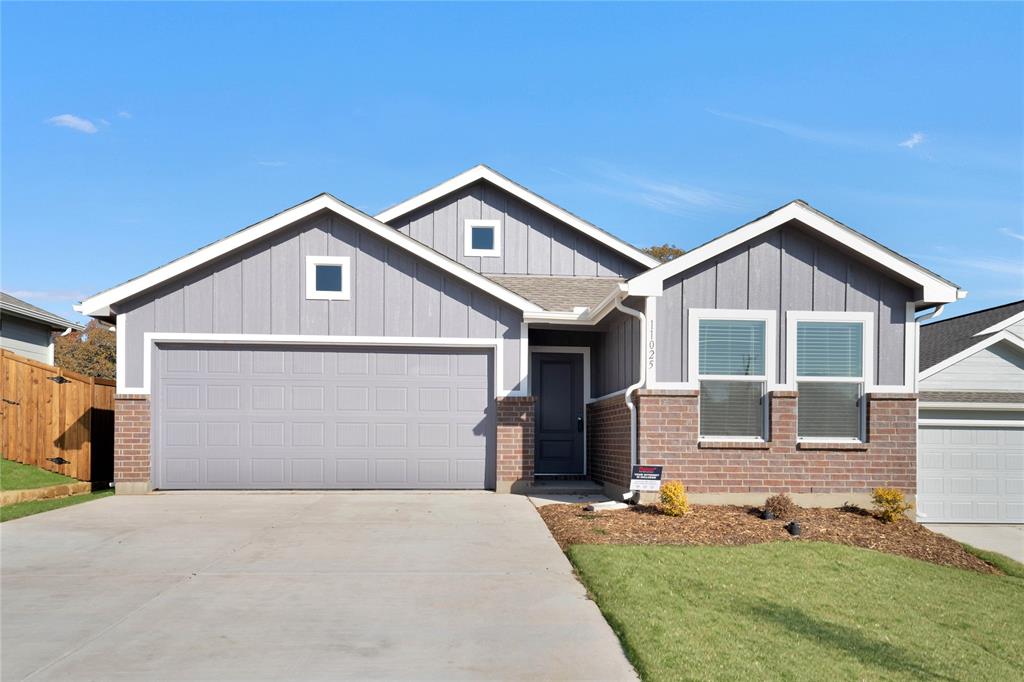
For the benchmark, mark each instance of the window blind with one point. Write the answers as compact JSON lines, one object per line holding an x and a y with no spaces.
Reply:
{"x":733,"y":347}
{"x":827,"y":409}
{"x":829,"y":349}
{"x":731,"y":409}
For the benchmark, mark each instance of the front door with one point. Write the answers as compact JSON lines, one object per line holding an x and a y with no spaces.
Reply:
{"x":557,"y":380}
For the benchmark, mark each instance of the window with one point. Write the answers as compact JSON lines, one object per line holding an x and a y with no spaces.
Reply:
{"x":831,"y":367}
{"x":328,"y":278}
{"x":483,"y":238}
{"x":731,"y":352}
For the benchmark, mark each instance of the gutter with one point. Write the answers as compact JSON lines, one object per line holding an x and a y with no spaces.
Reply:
{"x":640,"y":382}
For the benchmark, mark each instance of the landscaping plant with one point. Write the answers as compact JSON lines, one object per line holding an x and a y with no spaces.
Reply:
{"x":890,"y":504}
{"x":781,"y":506}
{"x":673,"y":499}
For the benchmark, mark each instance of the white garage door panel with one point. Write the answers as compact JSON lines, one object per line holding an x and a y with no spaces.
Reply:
{"x":241,"y":417}
{"x":971,"y":474}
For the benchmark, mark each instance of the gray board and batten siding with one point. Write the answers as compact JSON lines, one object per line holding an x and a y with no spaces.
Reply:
{"x":784,"y":269}
{"x":532,"y":242}
{"x":261,"y":290}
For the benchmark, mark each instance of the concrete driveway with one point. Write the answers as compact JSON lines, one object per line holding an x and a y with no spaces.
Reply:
{"x":297,"y":586}
{"x":1005,"y":538}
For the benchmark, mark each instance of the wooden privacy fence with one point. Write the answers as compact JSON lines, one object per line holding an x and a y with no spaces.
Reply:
{"x":57,"y":420}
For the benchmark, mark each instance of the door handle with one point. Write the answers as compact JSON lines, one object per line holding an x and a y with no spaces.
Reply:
{"x":579,"y":424}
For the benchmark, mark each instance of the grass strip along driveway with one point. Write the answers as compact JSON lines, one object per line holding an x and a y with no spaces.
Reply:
{"x":803,"y":611}
{"x":15,"y":476}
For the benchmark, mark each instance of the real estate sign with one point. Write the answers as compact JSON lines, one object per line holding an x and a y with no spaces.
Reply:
{"x":645,"y":479}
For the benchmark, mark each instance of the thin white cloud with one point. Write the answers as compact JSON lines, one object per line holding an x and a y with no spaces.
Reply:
{"x":989,"y":264}
{"x":50,"y":294}
{"x":796,"y":130}
{"x":124,"y":114}
{"x":1010,"y":233}
{"x":82,"y":125}
{"x":272,"y":164}
{"x":664,"y":195}
{"x":913,"y":140}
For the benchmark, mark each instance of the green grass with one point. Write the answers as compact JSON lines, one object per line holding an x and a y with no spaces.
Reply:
{"x":803,"y":611}
{"x":1000,"y":561}
{"x":14,"y":476}
{"x":16,"y":511}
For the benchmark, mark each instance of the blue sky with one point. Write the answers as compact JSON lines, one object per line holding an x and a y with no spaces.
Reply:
{"x":134,"y":133}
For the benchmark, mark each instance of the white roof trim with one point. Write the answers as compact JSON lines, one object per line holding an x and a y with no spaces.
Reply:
{"x":99,"y":305}
{"x":967,"y":352}
{"x":482,"y":172}
{"x":1000,"y":326}
{"x":935,"y":290}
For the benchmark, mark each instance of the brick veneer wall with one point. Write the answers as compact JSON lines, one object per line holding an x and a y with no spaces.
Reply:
{"x":667,"y":433}
{"x":515,"y":441}
{"x":131,"y":438}
{"x":608,"y":441}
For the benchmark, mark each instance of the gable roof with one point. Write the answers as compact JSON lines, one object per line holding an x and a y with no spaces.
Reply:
{"x":935,"y":289}
{"x":562,"y":294}
{"x":16,"y":306}
{"x":99,"y":305}
{"x":482,"y":172}
{"x":945,"y":339}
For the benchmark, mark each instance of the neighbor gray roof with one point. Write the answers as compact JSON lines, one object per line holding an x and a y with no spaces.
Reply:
{"x":970,"y":397}
{"x":559,"y":293}
{"x":20,"y":308}
{"x":946,"y":338}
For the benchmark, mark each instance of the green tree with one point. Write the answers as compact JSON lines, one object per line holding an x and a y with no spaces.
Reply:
{"x":92,"y":351}
{"x":664,"y":252}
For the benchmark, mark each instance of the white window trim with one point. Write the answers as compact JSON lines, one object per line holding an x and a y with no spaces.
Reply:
{"x":314,"y":294}
{"x":769,"y":317}
{"x":468,"y":238}
{"x":867,"y":365}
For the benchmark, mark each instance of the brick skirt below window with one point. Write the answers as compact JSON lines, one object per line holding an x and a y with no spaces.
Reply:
{"x":668,"y":429}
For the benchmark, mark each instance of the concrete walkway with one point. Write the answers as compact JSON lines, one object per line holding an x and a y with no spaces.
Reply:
{"x":1005,"y":538}
{"x":297,"y":586}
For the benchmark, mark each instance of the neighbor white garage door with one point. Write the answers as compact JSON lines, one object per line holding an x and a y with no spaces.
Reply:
{"x":244,"y":417}
{"x":970,"y":474}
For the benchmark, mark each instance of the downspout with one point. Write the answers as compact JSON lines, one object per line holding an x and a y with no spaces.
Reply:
{"x":633,"y":459}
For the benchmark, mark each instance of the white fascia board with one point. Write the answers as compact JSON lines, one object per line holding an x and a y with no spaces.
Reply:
{"x":482,"y":172}
{"x":934,"y":289}
{"x":1000,"y":326}
{"x":99,"y":305}
{"x":968,"y":352}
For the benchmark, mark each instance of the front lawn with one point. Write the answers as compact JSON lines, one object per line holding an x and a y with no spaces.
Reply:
{"x":805,"y":611}
{"x":16,"y":511}
{"x":15,"y":476}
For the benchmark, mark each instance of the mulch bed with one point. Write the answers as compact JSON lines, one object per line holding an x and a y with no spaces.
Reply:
{"x":734,"y":525}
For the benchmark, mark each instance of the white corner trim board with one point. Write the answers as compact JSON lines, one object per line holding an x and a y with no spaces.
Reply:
{"x":482,"y":172}
{"x":99,"y":305}
{"x":150,"y":339}
{"x":935,"y":289}
{"x":1005,"y":335}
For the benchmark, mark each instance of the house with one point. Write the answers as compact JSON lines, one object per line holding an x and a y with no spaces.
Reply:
{"x":479,"y":336}
{"x":971,"y":419}
{"x":28,"y":330}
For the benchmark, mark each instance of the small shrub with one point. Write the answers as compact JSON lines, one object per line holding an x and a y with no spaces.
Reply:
{"x":781,"y":506}
{"x":890,"y":504}
{"x":673,"y":499}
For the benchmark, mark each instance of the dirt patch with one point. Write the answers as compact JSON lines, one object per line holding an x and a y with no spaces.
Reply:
{"x":733,"y":525}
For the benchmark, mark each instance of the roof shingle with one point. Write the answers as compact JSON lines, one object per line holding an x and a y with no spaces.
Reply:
{"x":559,"y":293}
{"x":945,"y":338}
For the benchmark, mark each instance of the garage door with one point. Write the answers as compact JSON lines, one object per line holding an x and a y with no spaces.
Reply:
{"x":971,"y":474}
{"x":246,"y":417}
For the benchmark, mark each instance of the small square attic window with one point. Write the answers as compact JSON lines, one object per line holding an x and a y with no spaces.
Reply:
{"x":483,"y":238}
{"x":328,"y":278}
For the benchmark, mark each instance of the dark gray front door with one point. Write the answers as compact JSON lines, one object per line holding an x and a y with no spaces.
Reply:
{"x":558,"y":387}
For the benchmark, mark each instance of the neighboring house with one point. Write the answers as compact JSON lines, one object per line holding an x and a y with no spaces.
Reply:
{"x":479,"y":336}
{"x":28,"y":330}
{"x":971,"y":466}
